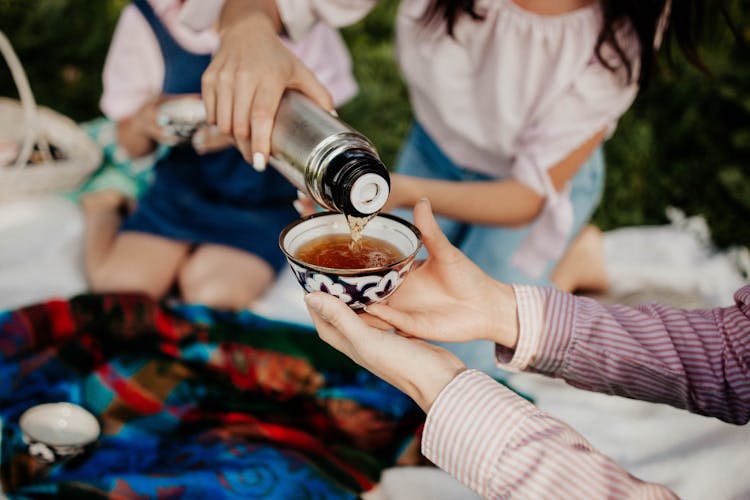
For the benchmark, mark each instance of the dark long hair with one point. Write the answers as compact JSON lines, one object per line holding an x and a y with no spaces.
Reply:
{"x":685,"y":26}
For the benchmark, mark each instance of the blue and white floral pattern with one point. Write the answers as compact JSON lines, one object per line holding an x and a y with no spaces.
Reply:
{"x":357,"y":291}
{"x":51,"y":453}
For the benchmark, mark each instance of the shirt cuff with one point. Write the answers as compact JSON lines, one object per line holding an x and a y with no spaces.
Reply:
{"x":469,"y":425}
{"x":530,"y":302}
{"x":546,"y":324}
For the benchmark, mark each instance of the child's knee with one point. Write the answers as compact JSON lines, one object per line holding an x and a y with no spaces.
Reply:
{"x":215,"y":294}
{"x":107,"y":280}
{"x":198,"y":287}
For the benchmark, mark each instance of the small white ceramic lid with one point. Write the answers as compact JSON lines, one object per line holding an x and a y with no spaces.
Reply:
{"x":369,"y":193}
{"x":60,"y":424}
{"x":188,"y":110}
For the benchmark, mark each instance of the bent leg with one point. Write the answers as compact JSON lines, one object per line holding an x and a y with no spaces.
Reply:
{"x":139,"y":262}
{"x":102,"y":214}
{"x":583,"y":267}
{"x":125,"y":262}
{"x":223,"y":277}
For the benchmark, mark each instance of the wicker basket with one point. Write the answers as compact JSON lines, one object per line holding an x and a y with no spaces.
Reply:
{"x":27,"y":124}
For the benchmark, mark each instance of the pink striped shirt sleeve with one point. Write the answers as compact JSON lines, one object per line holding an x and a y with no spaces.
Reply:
{"x":697,"y":360}
{"x":502,"y":446}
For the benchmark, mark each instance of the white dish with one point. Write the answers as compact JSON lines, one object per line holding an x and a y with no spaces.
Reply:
{"x":54,"y":431}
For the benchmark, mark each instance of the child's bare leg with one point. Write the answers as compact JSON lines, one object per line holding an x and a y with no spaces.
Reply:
{"x":139,"y":262}
{"x":583,"y":266}
{"x":102,"y":213}
{"x":126,"y":262}
{"x":223,"y":277}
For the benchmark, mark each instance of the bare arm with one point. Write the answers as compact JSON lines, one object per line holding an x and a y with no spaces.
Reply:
{"x":244,"y":83}
{"x":506,"y":202}
{"x":140,"y":132}
{"x":237,"y":11}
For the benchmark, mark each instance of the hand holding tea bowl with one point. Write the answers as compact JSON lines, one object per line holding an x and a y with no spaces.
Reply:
{"x":388,"y":248}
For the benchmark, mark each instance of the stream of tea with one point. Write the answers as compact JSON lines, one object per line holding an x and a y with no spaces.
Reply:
{"x":357,"y":226}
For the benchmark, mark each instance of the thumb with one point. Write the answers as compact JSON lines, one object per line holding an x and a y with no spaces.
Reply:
{"x":436,"y":243}
{"x":404,"y":321}
{"x":334,"y":312}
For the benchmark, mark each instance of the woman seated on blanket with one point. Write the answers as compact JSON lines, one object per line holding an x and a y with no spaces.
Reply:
{"x":209,"y":222}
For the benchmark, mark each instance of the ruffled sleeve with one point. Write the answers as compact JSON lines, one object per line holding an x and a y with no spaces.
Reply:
{"x":134,"y":69}
{"x":299,"y":16}
{"x":594,"y":101}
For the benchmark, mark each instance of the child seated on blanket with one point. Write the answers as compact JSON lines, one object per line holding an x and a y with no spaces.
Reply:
{"x":209,"y":223}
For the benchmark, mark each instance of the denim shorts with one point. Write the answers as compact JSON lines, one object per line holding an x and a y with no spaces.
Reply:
{"x":491,"y":248}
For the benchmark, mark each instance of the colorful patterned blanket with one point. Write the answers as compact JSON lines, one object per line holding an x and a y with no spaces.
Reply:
{"x":195,"y":403}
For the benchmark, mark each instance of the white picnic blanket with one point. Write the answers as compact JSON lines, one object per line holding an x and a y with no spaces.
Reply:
{"x":698,"y":457}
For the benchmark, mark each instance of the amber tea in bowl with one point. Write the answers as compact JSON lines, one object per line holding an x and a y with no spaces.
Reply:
{"x":339,"y":251}
{"x":322,"y":255}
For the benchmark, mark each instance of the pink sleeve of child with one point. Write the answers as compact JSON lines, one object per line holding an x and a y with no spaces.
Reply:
{"x":134,"y":70}
{"x":299,"y":16}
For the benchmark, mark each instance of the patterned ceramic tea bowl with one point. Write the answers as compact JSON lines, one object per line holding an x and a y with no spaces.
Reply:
{"x":182,"y":116}
{"x":356,"y":287}
{"x":58,"y":431}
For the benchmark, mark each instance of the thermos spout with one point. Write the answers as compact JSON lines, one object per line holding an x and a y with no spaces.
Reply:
{"x":335,"y":165}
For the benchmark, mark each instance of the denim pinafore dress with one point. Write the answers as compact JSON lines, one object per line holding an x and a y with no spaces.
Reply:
{"x":213,"y":198}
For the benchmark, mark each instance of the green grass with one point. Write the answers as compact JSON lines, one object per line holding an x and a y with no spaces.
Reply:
{"x":381,"y":110}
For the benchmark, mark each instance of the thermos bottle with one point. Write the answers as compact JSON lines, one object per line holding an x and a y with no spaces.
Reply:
{"x":336,"y":166}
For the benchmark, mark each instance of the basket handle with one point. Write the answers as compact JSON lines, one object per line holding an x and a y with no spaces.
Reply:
{"x":31,"y":116}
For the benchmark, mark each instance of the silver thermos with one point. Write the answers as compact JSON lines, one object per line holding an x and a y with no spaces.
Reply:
{"x":336,"y":166}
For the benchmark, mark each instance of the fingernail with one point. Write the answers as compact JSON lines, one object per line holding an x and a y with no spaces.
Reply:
{"x":301,"y":195}
{"x":259,"y":162}
{"x":334,"y":113}
{"x":298,"y":206}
